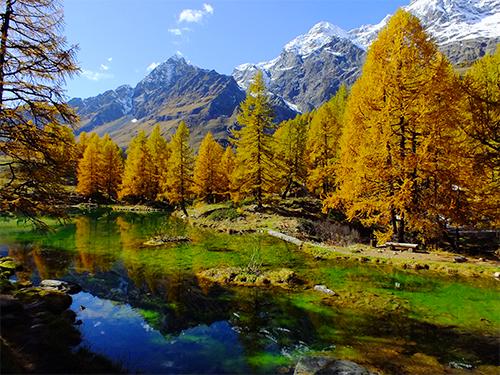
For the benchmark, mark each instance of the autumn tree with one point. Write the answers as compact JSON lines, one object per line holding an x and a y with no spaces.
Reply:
{"x":90,"y":168}
{"x":208,"y":174}
{"x":255,"y":173}
{"x":135,"y":175}
{"x":481,"y":85}
{"x":34,"y":62}
{"x":227,"y":166}
{"x":398,"y":153}
{"x":178,"y":183}
{"x":290,"y":153}
{"x":156,"y":162}
{"x":111,"y":167}
{"x":323,"y":143}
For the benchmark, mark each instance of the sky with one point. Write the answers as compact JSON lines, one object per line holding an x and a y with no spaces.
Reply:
{"x":121,"y":41}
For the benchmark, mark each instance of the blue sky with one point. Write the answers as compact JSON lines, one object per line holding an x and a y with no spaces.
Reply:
{"x":122,"y":40}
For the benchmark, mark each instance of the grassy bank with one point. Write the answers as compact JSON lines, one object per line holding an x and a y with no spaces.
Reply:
{"x":324,"y":238}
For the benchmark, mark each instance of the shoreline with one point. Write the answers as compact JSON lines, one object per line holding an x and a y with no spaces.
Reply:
{"x":281,"y":227}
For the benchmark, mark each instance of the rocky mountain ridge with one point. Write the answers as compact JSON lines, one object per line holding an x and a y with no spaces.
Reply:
{"x":464,"y":29}
{"x":305,"y":75}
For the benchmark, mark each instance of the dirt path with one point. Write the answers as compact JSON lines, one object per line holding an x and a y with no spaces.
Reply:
{"x":417,"y":256}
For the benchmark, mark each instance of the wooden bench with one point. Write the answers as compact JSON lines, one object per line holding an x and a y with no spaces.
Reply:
{"x":401,"y":246}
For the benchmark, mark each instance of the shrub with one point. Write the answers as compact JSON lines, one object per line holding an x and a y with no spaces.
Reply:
{"x":224,"y":213}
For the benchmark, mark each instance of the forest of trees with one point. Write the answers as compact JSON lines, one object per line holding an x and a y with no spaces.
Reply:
{"x":413,"y":149}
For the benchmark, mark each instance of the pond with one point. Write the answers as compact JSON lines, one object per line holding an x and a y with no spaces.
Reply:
{"x":148,"y":308}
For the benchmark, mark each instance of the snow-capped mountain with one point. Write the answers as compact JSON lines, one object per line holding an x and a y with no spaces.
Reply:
{"x":304,"y":76}
{"x":310,"y":68}
{"x":458,"y":20}
{"x":464,"y":30}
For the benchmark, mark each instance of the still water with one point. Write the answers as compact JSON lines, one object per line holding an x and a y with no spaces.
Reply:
{"x":146,"y":307}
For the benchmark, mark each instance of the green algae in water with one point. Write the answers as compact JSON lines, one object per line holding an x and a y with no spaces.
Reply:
{"x":443,"y":317}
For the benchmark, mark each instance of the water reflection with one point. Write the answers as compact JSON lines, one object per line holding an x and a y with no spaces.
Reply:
{"x":146,"y":304}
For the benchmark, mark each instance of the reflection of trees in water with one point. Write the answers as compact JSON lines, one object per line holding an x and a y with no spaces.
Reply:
{"x":22,"y":253}
{"x":96,"y":250}
{"x":52,"y":263}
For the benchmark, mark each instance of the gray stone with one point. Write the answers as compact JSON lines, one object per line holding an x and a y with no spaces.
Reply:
{"x":324,"y":289}
{"x":61,"y":286}
{"x":312,"y":365}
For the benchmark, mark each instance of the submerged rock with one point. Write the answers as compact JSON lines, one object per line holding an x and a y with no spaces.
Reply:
{"x":311,"y":365}
{"x":62,"y":286}
{"x":460,"y":259}
{"x":324,"y":289}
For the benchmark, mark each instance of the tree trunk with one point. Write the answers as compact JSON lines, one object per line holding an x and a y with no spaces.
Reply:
{"x":3,"y":45}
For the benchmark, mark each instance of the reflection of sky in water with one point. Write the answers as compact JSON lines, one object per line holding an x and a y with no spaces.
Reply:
{"x":4,"y":250}
{"x":121,"y":333}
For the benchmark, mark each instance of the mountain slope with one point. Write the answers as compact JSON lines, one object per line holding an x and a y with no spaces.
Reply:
{"x":312,"y":66}
{"x":174,"y":91}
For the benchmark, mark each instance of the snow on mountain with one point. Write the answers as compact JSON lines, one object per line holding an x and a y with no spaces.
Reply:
{"x":320,"y":35}
{"x":447,"y":21}
{"x":457,"y":20}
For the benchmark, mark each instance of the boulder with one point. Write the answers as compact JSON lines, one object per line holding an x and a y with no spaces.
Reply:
{"x":324,"y":289}
{"x":460,"y":259}
{"x":311,"y":365}
{"x":62,"y":286}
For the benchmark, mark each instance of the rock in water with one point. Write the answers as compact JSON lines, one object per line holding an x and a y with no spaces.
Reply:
{"x":312,"y":365}
{"x":324,"y":289}
{"x":62,"y":286}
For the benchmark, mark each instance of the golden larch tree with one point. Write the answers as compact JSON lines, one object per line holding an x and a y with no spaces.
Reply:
{"x":34,"y":63}
{"x":397,"y":150}
{"x":255,"y":169}
{"x":208,"y":174}
{"x":323,"y":143}
{"x":112,"y":161}
{"x":135,"y":175}
{"x":156,"y":162}
{"x":90,"y":168}
{"x":481,"y":86}
{"x":177,"y":186}
{"x":290,"y":153}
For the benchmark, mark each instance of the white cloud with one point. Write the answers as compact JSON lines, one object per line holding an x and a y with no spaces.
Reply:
{"x":193,"y":15}
{"x":179,"y":31}
{"x":104,"y":67}
{"x":95,"y":76}
{"x":110,"y":59}
{"x":208,"y":8}
{"x":152,"y":66}
{"x":175,"y":31}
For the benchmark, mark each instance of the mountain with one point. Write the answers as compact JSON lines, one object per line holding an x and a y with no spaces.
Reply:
{"x":305,"y":75}
{"x":176,"y":90}
{"x":312,"y":66}
{"x":464,"y":29}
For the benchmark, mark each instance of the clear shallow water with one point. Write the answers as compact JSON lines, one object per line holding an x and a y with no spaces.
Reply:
{"x":120,"y":331}
{"x":145,"y":306}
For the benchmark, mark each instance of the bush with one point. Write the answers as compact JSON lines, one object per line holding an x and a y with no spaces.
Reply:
{"x":340,"y":234}
{"x":224,"y":213}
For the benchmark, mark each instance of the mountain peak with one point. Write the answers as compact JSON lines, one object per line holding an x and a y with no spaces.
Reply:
{"x":320,"y":35}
